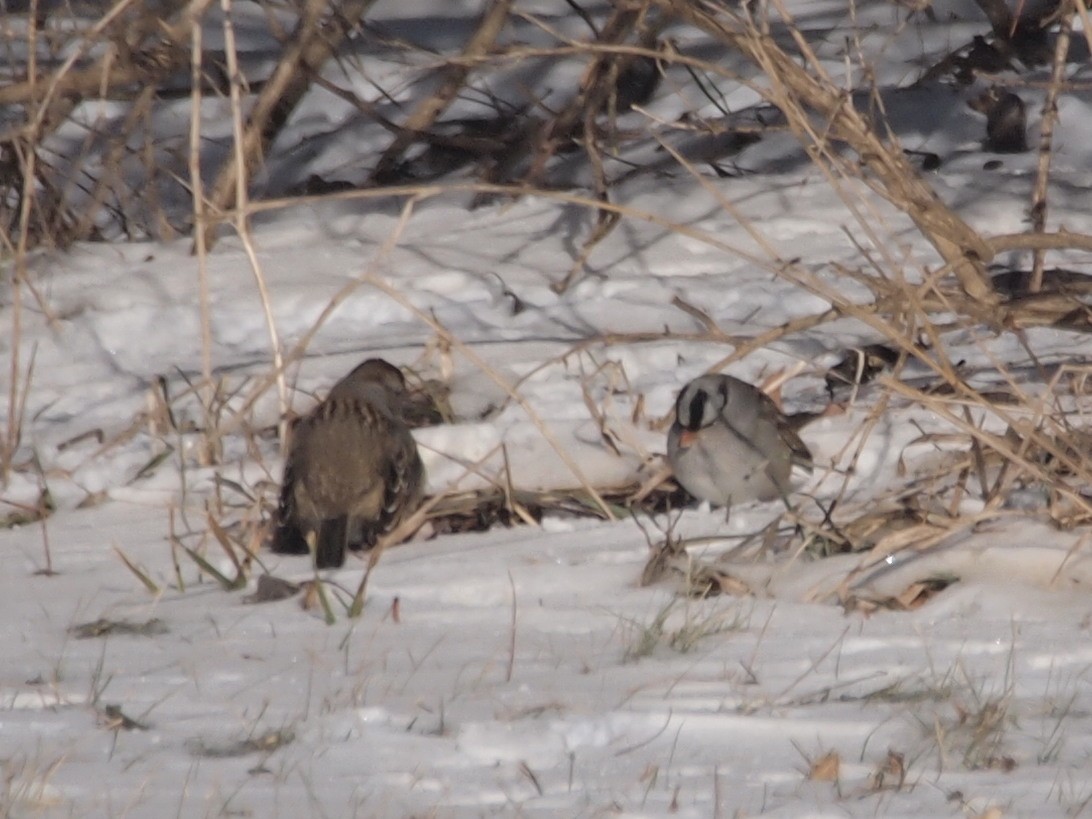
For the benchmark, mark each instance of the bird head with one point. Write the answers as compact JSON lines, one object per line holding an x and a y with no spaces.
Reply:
{"x":375,"y":381}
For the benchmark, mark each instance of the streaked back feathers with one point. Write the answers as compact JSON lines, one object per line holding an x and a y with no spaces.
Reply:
{"x":352,"y":471}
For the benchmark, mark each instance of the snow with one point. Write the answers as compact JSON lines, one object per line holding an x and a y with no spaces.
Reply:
{"x":526,"y":671}
{"x":393,"y":718}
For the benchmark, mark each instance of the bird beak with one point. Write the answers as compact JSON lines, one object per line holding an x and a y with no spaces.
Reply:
{"x":686,"y":438}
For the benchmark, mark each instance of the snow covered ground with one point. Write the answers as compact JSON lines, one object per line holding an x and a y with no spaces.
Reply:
{"x":526,"y":671}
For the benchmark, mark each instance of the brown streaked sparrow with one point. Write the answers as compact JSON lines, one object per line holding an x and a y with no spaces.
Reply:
{"x":352,"y":472}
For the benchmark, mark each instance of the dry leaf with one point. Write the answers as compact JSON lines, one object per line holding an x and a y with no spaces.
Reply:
{"x":310,"y":597}
{"x":826,"y":768}
{"x":860,"y":605}
{"x":271,"y":588}
{"x":730,"y":585}
{"x":891,"y":774}
{"x":916,"y":595}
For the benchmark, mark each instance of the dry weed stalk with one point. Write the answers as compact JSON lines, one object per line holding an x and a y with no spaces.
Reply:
{"x":403,"y":530}
{"x":818,"y":110}
{"x":242,"y":222}
{"x":136,"y":48}
{"x":822,"y":114}
{"x":497,"y":378}
{"x":197,"y":191}
{"x":454,"y":77}
{"x":801,"y":91}
{"x":262,"y":385}
{"x":316,"y":37}
{"x":1046,"y":142}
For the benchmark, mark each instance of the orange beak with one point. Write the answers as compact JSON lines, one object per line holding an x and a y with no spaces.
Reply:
{"x":686,"y":438}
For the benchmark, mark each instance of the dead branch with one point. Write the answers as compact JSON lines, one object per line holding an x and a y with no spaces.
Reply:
{"x":311,"y":44}
{"x":795,"y":90}
{"x":453,"y":78}
{"x":142,"y":48}
{"x":599,"y":82}
{"x":138,"y":49}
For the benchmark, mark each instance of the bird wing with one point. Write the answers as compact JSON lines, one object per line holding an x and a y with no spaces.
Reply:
{"x":764,"y":429}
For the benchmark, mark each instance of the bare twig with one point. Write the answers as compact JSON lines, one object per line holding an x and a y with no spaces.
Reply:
{"x":452,"y":80}
{"x":310,"y":45}
{"x":501,"y":382}
{"x":197,"y":190}
{"x":1046,"y":145}
{"x":242,"y":224}
{"x":798,"y":91}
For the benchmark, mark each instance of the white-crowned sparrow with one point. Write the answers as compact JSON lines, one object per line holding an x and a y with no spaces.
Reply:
{"x":352,"y":471}
{"x":730,"y":443}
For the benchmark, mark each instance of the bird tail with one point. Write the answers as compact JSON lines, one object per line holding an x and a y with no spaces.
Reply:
{"x":287,"y":537}
{"x":330,"y":543}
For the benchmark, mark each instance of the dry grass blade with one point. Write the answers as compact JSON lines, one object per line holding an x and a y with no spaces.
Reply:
{"x":799,"y":93}
{"x":139,"y":573}
{"x":242,"y":166}
{"x":499,"y":380}
{"x":317,"y":588}
{"x":227,"y":583}
{"x":226,"y":544}
{"x":200,"y":220}
{"x":402,"y":531}
{"x":18,"y":393}
{"x":262,"y":385}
